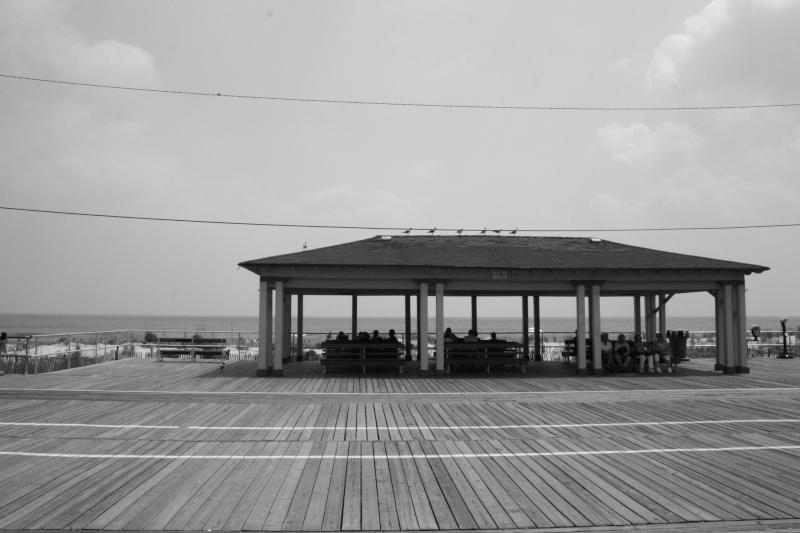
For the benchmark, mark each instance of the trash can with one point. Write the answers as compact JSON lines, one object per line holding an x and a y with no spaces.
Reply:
{"x":677,"y":343}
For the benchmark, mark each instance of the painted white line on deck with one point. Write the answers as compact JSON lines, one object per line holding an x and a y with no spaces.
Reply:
{"x":501,"y":426}
{"x":405,"y":394}
{"x":77,"y":425}
{"x":411,"y":428}
{"x":409,"y":456}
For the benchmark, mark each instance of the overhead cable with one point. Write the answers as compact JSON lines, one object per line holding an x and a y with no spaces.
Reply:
{"x":402,"y":104}
{"x":403,"y":229}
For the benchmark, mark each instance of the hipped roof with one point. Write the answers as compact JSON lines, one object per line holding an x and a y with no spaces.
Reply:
{"x":497,"y":252}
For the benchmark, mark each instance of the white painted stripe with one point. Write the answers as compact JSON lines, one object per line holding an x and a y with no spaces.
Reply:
{"x":102,"y":426}
{"x":406,"y":394}
{"x":410,"y":456}
{"x":499,"y":426}
{"x":409,"y":428}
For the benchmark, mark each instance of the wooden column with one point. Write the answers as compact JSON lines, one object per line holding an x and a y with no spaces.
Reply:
{"x":728,"y":342}
{"x":439,"y":328}
{"x":537,"y":326}
{"x":280,"y":338}
{"x":287,"y":325}
{"x":649,"y":316}
{"x":264,"y":366}
{"x":580,"y":329}
{"x":720,"y":329}
{"x":474,"y":309}
{"x":637,"y":315}
{"x":741,"y":363}
{"x":526,"y":343}
{"x":597,"y":359}
{"x":354,"y":317}
{"x":662,"y":314}
{"x":422,"y":341}
{"x":407,"y":339}
{"x":299,"y":351}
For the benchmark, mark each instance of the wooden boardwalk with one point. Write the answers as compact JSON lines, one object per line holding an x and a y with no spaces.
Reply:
{"x":142,"y":445}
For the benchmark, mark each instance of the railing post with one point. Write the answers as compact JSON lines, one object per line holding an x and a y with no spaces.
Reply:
{"x":27,"y":342}
{"x":193,"y":356}
{"x":69,"y":352}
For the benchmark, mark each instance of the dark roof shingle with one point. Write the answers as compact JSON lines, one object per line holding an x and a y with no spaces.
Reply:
{"x":494,"y":251}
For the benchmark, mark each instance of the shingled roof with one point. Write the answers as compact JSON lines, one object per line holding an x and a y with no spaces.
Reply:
{"x":498,"y":252}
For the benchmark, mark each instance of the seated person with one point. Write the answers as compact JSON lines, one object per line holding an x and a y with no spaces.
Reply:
{"x":449,"y":336}
{"x":493,"y":338}
{"x":341,"y":337}
{"x":622,"y":353}
{"x":363,"y":336}
{"x":662,"y":350}
{"x":606,"y":350}
{"x":472,"y":336}
{"x":376,"y":336}
{"x":641,"y":353}
{"x":392,"y":337}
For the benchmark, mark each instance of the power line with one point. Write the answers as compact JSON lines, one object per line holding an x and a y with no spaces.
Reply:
{"x":403,"y":229}
{"x":401,"y":104}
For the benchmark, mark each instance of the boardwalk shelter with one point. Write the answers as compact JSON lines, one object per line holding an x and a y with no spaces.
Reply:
{"x":584,"y":269}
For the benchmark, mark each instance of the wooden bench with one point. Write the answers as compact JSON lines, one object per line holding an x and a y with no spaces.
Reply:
{"x":176,"y":347}
{"x":484,"y":354}
{"x":570,"y":349}
{"x":361,"y":355}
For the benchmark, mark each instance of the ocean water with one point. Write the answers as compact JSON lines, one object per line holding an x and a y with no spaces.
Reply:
{"x":41,"y":324}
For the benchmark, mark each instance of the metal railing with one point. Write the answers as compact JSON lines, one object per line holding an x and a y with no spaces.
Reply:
{"x":34,"y":354}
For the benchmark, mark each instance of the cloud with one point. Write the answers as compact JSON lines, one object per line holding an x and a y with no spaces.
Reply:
{"x":696,"y":196}
{"x":677,"y":48}
{"x":732,"y":48}
{"x":36,"y":39}
{"x":637,"y":142}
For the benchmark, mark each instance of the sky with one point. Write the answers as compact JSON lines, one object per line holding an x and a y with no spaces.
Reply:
{"x":151,"y":154}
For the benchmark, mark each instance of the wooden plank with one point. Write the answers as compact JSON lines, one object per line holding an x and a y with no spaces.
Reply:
{"x":351,"y":506}
{"x":288,"y":487}
{"x":332,"y":519}
{"x":318,"y":499}
{"x":370,"y":517}
{"x":301,"y":499}
{"x":439,"y":504}
{"x":449,"y":487}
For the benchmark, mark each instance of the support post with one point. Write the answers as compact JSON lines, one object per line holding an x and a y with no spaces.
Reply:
{"x":637,"y":315}
{"x":720,"y":329}
{"x":422,"y":316}
{"x":287,"y":325}
{"x":474,"y":309}
{"x":597,"y":359}
{"x":742,"y":366}
{"x":280,"y":338}
{"x":662,"y":313}
{"x":649,"y":316}
{"x":580,"y":330}
{"x":526,"y":344}
{"x":407,"y":339}
{"x":537,"y":327}
{"x":354,"y":317}
{"x":299,"y":352}
{"x":439,"y":328}
{"x":263,"y":343}
{"x":728,"y":342}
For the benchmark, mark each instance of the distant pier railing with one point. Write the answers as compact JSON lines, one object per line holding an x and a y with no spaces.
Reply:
{"x":34,"y":354}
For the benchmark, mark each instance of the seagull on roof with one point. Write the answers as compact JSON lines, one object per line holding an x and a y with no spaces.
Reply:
{"x":514,"y":231}
{"x":432,"y":230}
{"x":460,"y":231}
{"x":497,"y":231}
{"x":305,"y":245}
{"x":483,"y":231}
